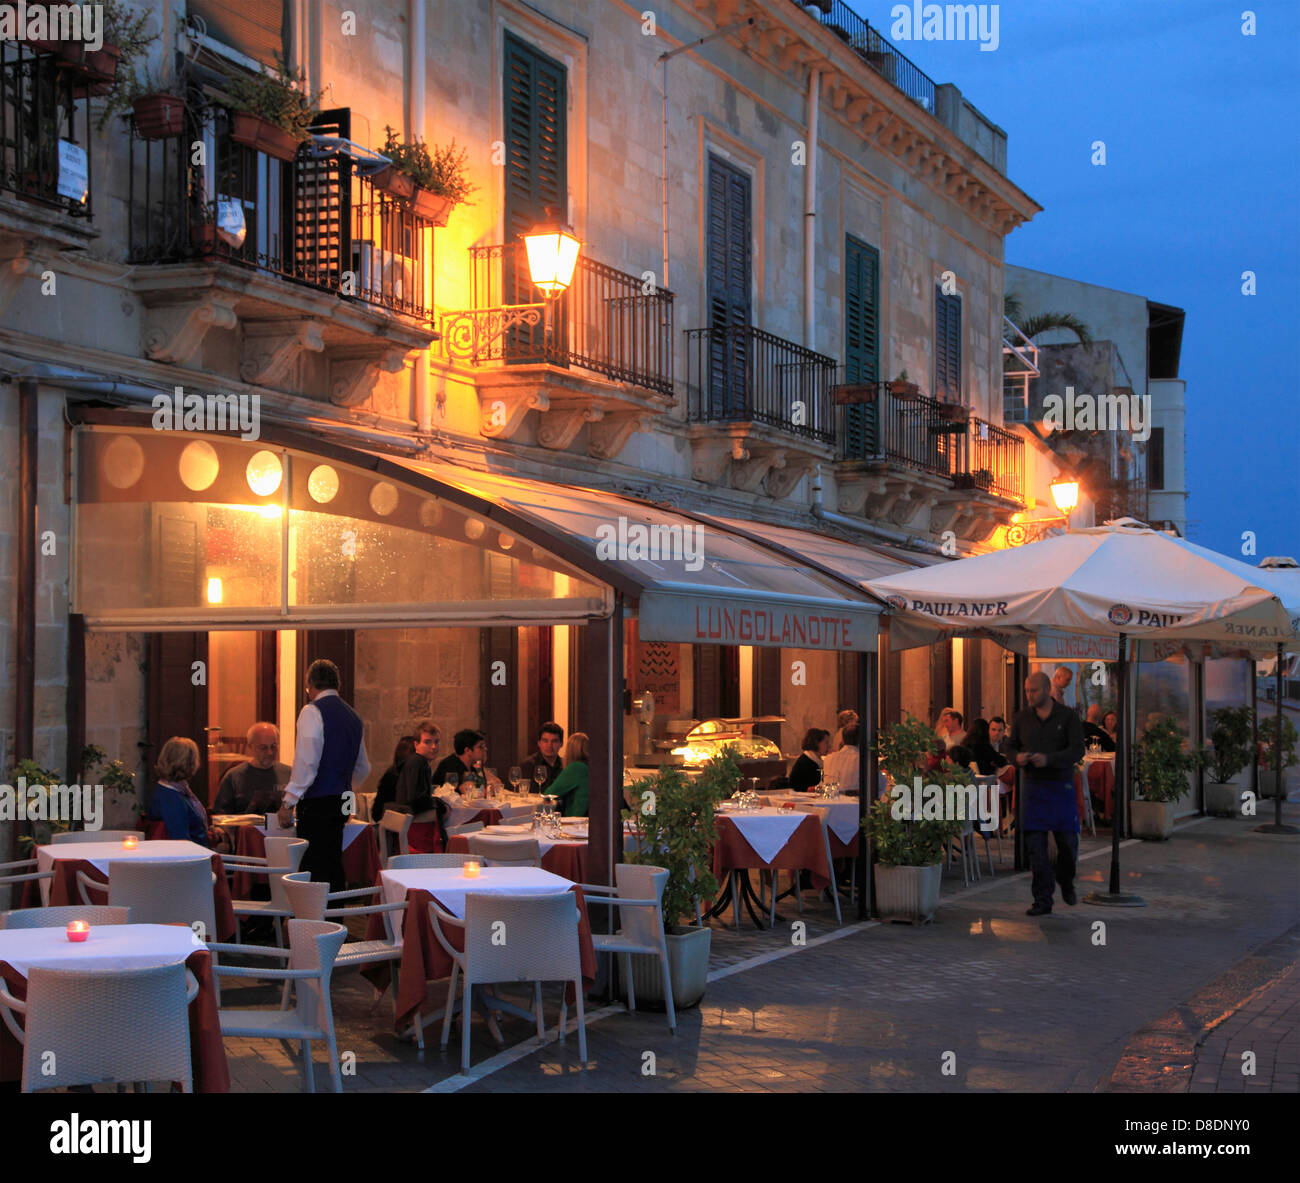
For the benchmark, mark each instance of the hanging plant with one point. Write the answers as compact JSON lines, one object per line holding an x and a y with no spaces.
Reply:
{"x":432,"y":181}
{"x":272,"y":110}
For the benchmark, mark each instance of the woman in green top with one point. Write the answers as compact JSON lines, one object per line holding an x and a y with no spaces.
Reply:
{"x":571,"y":785}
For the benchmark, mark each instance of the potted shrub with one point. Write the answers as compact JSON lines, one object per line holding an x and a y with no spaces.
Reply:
{"x":903,"y":387}
{"x":982,"y":478}
{"x":909,"y":853}
{"x":39,"y":829}
{"x":1160,"y":769}
{"x":1275,"y":757}
{"x":1229,"y":753}
{"x":270,"y":111}
{"x":431,"y":181}
{"x":678,"y":834}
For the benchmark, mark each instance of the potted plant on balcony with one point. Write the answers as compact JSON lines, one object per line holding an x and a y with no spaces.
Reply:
{"x":909,"y":851}
{"x":1275,"y":757}
{"x":111,"y":70}
{"x":1160,"y":769}
{"x":675,"y":830}
{"x":159,"y":105}
{"x":1229,"y":753}
{"x":982,"y":478}
{"x":431,"y":181}
{"x":904,"y":387}
{"x":270,"y":110}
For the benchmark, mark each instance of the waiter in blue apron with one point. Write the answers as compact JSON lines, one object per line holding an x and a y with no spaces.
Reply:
{"x":1047,"y":742}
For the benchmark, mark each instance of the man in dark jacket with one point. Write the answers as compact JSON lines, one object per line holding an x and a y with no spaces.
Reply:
{"x":415,"y":781}
{"x":549,"y":739}
{"x":1046,"y":741}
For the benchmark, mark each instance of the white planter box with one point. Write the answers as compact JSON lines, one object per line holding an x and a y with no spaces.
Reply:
{"x":1153,"y":820}
{"x":908,"y":893}
{"x":1222,"y":800}
{"x":688,"y":968}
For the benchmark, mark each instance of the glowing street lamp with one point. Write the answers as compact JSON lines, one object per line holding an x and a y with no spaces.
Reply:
{"x":552,"y":255}
{"x":1065,"y":492}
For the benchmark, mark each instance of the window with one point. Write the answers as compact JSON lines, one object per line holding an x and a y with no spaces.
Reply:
{"x":536,"y":145}
{"x":728,"y":237}
{"x":947,"y":346}
{"x":258,"y":29}
{"x":1156,"y":459}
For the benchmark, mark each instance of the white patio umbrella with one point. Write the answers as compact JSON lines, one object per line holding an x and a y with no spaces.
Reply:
{"x":1121,"y":580}
{"x":1282,"y":574}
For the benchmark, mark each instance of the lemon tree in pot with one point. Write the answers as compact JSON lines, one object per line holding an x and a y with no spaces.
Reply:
{"x":674,"y":818}
{"x":1229,"y":753}
{"x":1274,"y":756}
{"x":1160,"y":770}
{"x":909,"y":851}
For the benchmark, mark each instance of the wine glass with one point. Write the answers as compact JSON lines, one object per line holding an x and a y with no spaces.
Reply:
{"x":516,"y":777}
{"x":490,"y":782}
{"x":539,"y":774}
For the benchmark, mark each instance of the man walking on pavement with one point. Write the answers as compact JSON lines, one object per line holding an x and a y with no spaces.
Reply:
{"x":1047,"y":742}
{"x":329,"y":759}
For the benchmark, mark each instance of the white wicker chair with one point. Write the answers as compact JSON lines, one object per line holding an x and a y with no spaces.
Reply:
{"x":541,"y":945}
{"x":467,"y":828}
{"x":283,"y":856}
{"x":104,"y":1027}
{"x":160,"y":891}
{"x":398,"y":823}
{"x":517,"y":813}
{"x":94,"y":914}
{"x":518,"y":852}
{"x":313,"y":946}
{"x":640,"y":896}
{"x":94,"y":836}
{"x":22,"y":871}
{"x":398,"y":861}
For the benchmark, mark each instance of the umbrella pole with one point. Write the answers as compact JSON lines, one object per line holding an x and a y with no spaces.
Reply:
{"x":1113,"y":897}
{"x":1276,"y":826}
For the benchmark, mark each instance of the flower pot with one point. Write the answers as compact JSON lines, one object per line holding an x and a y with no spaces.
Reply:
{"x":952,"y":412}
{"x":396,"y":184}
{"x":1152,"y":820}
{"x":433,"y":206}
{"x":904,"y":389}
{"x":908,"y":893}
{"x":1221,"y":800}
{"x":1267,"y":783}
{"x":100,"y":66}
{"x":255,"y":132}
{"x":204,"y":237}
{"x":688,"y":970}
{"x":159,"y":116}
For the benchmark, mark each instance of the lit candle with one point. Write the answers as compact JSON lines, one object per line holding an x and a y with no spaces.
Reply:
{"x":131,"y":841}
{"x":471,"y":870}
{"x":78,"y":930}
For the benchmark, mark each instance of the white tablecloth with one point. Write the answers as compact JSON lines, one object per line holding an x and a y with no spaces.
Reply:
{"x":766,"y":830}
{"x":504,"y":833}
{"x":100,"y":854}
{"x":841,"y":813}
{"x":464,"y":811}
{"x":449,"y":886}
{"x":109,"y":946}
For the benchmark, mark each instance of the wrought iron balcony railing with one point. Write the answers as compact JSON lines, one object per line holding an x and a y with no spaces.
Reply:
{"x":878,"y":53}
{"x":42,"y":106}
{"x":943,"y":439}
{"x":312,"y":220}
{"x":607,"y":321}
{"x":740,"y":374}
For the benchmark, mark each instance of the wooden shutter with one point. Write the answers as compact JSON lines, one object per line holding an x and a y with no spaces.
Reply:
{"x":947,"y":346}
{"x":259,"y":29}
{"x":175,"y":705}
{"x":322,"y":199}
{"x":861,"y":343}
{"x":729,"y":237}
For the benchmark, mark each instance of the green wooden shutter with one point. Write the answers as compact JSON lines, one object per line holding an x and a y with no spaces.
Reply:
{"x":947,"y":346}
{"x":729,"y":238}
{"x":861,"y":342}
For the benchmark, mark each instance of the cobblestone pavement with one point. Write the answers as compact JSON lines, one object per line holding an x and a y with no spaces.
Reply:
{"x":984,"y":999}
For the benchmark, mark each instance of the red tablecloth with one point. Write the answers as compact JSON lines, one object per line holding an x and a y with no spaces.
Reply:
{"x":360,"y":861}
{"x":1101,"y":784}
{"x":424,"y":959}
{"x":568,"y":860}
{"x":805,"y":850}
{"x":63,"y":890}
{"x":207,"y":1052}
{"x":842,"y":850}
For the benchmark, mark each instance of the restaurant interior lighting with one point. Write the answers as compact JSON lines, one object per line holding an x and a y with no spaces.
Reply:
{"x":214,"y":590}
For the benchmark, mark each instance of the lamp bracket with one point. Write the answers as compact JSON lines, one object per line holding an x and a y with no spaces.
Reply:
{"x":473,"y":334}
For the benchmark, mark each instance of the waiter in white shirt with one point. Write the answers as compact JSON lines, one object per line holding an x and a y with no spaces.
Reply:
{"x":329,"y":759}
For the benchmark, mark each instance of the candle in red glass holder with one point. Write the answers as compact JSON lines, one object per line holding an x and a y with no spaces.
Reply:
{"x":78,"y":930}
{"x":471,"y":870}
{"x":131,"y":841}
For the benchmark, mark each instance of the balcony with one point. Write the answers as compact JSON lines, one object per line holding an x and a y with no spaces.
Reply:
{"x":758,"y":405}
{"x":599,"y":356}
{"x":328,"y":277}
{"x":903,"y":455}
{"x":897,"y":69}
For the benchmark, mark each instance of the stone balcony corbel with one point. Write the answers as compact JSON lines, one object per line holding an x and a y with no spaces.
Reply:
{"x":502,"y":412}
{"x":971,"y":514}
{"x":272,"y":348}
{"x":173,"y":332}
{"x":611,"y":434}
{"x":711,"y":455}
{"x":761,"y":458}
{"x":353,"y":373}
{"x":560,"y":425}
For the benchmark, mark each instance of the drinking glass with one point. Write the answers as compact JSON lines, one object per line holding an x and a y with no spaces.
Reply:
{"x":516,"y":777}
{"x":539,"y":774}
{"x":490,"y":780}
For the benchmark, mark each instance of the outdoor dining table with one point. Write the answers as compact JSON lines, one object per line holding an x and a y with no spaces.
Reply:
{"x":769,"y":839}
{"x":119,"y":946}
{"x":360,"y":853}
{"x":65,"y":859}
{"x":423,"y":957}
{"x":841,"y":815}
{"x":566,"y":857}
{"x":1101,"y":783}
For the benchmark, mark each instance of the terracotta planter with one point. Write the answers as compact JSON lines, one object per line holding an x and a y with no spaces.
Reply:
{"x":908,"y":893}
{"x":100,"y":66}
{"x":255,"y":132}
{"x":904,"y":389}
{"x":432,"y":206}
{"x":953,"y":413}
{"x":396,"y":184}
{"x":1152,"y":820}
{"x":204,"y":237}
{"x":159,"y":116}
{"x":854,"y":394}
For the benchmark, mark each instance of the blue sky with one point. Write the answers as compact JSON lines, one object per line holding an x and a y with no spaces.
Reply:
{"x":1202,"y":182}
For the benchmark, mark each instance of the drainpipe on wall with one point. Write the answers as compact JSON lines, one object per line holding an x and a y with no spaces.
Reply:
{"x":415,"y":123}
{"x":25,"y":590}
{"x":810,"y":211}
